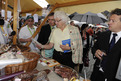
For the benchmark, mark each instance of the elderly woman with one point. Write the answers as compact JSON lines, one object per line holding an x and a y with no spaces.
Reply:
{"x":66,"y":40}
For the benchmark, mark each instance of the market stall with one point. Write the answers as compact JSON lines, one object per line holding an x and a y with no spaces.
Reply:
{"x":33,"y":61}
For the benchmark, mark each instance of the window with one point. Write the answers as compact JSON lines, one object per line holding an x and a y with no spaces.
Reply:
{"x":42,"y":3}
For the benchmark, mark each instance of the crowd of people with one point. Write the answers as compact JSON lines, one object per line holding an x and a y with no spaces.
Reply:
{"x":69,"y":44}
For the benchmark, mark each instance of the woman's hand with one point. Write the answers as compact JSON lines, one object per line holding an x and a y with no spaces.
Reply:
{"x":64,"y":47}
{"x":39,"y":46}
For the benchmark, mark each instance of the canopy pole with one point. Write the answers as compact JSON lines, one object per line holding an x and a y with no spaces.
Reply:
{"x":6,"y":9}
{"x":38,"y":29}
{"x":15,"y":21}
{"x":34,"y":12}
{"x":10,"y":19}
{"x":0,"y":5}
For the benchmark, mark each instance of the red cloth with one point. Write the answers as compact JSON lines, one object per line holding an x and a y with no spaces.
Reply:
{"x":90,"y":31}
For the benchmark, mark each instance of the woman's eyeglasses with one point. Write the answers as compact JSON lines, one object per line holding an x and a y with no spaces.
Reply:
{"x":58,"y":20}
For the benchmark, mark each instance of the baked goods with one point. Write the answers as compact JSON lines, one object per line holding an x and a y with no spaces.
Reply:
{"x":65,"y":71}
{"x":11,"y":55}
{"x":28,"y":76}
{"x":34,"y":75}
{"x":7,"y":47}
{"x":12,"y":58}
{"x":41,"y":76}
{"x":4,"y":48}
{"x":21,"y":48}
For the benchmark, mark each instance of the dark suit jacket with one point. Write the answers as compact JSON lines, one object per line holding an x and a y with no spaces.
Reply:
{"x":44,"y":34}
{"x":113,"y":57}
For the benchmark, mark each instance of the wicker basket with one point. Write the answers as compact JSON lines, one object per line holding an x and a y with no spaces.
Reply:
{"x":26,"y":66}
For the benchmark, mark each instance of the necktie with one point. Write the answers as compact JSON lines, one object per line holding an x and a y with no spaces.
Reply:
{"x":112,"y":41}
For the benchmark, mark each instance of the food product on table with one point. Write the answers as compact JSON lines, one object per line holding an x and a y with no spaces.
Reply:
{"x":7,"y":47}
{"x":10,"y":57}
{"x":51,"y":62}
{"x":28,"y":76}
{"x":65,"y":72}
{"x":41,"y":76}
{"x":4,"y":48}
{"x":47,"y":71}
{"x":34,"y":75}
{"x":22,"y":48}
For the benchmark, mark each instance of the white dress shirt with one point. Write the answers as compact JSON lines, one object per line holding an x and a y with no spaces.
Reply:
{"x":117,"y":37}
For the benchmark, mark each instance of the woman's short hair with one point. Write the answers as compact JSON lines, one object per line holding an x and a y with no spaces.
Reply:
{"x":62,"y":15}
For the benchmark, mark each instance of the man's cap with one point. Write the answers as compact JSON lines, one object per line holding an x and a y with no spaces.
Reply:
{"x":29,"y":17}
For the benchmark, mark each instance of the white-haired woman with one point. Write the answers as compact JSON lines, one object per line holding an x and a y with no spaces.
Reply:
{"x":66,"y":40}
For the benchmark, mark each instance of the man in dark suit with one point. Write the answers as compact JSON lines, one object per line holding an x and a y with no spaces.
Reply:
{"x":45,"y":31}
{"x":107,"y":50}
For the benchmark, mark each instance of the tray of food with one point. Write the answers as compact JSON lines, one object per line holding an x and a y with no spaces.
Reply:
{"x":51,"y":62}
{"x":65,"y":72}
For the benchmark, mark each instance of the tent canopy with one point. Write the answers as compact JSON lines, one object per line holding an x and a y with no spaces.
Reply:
{"x":29,"y":5}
